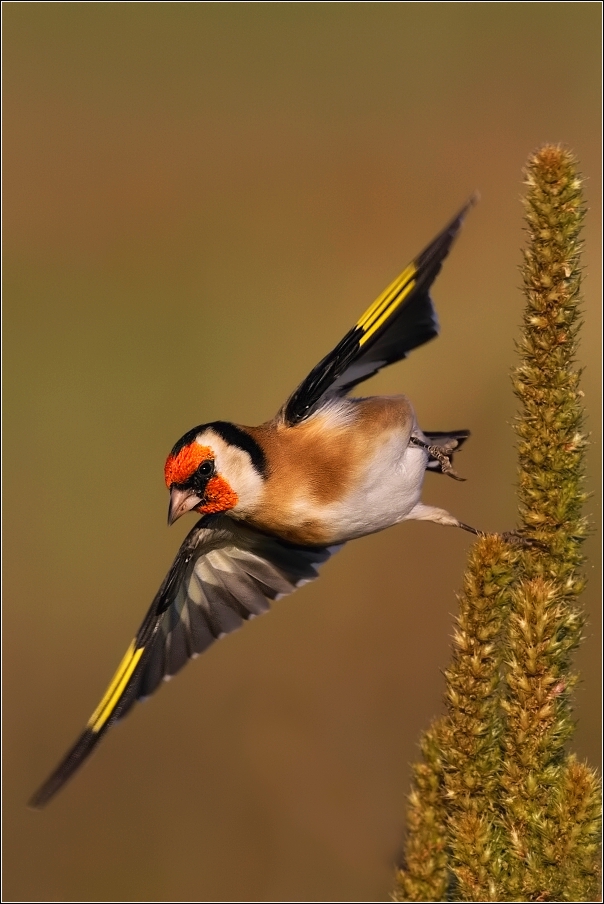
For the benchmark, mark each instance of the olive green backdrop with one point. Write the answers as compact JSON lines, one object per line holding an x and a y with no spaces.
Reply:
{"x":200,"y":198}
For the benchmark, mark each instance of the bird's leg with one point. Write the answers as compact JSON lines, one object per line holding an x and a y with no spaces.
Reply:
{"x":472,"y":530}
{"x":422,"y":512}
{"x":441,"y":454}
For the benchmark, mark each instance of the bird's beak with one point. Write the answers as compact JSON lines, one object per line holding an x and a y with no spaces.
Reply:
{"x":181,"y":501}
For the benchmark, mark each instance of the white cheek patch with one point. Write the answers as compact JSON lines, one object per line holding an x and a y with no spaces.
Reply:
{"x":235,"y":466}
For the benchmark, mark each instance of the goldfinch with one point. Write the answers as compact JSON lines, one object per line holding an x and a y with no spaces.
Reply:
{"x":276,"y":501}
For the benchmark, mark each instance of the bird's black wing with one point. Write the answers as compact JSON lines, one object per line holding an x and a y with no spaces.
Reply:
{"x":224,"y":573}
{"x":399,"y":320}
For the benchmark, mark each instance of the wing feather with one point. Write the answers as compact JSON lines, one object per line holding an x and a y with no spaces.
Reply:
{"x":399,"y":320}
{"x":223,"y":574}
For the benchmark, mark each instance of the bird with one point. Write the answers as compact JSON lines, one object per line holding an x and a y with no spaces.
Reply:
{"x":278,"y":500}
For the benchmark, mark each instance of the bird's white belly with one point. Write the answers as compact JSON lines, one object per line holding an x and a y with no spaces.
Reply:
{"x":391,"y":489}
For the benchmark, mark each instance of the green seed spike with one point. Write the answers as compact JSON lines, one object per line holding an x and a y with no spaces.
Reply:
{"x":499,"y":811}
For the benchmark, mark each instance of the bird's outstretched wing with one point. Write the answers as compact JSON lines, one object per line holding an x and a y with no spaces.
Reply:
{"x":223,"y":574}
{"x":399,"y":320}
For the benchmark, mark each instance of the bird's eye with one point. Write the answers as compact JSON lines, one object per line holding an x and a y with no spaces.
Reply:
{"x":206,"y":468}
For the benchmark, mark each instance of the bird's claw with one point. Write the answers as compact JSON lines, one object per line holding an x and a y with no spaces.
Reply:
{"x":441,"y":454}
{"x":451,"y":472}
{"x":515,"y":538}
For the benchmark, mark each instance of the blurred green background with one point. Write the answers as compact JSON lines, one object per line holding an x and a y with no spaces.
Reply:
{"x":200,"y":198}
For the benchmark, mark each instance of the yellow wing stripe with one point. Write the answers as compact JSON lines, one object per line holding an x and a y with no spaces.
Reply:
{"x":386,"y":297}
{"x":376,"y":324}
{"x":116,"y":688}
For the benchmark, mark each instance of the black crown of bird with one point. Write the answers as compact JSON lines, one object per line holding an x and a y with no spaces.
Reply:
{"x":277,"y":500}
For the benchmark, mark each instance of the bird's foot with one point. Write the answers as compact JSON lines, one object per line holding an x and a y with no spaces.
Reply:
{"x":441,"y":454}
{"x":517,"y":539}
{"x":513,"y":537}
{"x":445,"y":462}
